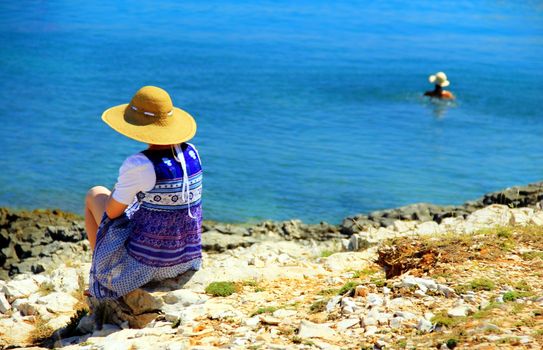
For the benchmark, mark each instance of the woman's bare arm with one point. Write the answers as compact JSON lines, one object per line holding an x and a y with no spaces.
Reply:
{"x":114,"y":209}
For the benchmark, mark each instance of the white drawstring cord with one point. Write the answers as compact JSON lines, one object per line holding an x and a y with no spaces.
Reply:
{"x":185,"y":190}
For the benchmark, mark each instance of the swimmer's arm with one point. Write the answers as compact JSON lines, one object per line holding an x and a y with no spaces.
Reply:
{"x":114,"y":209}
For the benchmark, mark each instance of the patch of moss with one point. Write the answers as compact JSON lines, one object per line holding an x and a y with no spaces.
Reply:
{"x":328,"y":291}
{"x":379,"y":282}
{"x":326,"y":253}
{"x":250,"y":283}
{"x":504,"y":232}
{"x":523,"y":286}
{"x":265,"y":310}
{"x":531,"y":255}
{"x":482,"y":284}
{"x":318,"y":306}
{"x":443,"y":319}
{"x":514,"y":295}
{"x":221,"y":289}
{"x":402,"y":344}
{"x":347,"y":287}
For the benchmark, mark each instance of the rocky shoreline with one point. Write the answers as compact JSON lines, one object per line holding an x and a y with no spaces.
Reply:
{"x":417,"y":277}
{"x":32,"y":240}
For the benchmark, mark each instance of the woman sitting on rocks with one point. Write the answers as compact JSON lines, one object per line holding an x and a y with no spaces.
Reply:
{"x":149,"y":227}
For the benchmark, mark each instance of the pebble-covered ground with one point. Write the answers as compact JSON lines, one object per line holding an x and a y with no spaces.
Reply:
{"x":474,"y":283}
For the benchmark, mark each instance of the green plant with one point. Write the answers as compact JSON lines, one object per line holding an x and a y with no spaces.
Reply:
{"x":402,"y":344}
{"x":531,"y":255}
{"x":482,"y":284}
{"x":264,"y":310}
{"x":442,"y":319}
{"x":523,"y":286}
{"x":222,"y":289}
{"x":514,"y":295}
{"x":328,"y":291}
{"x":504,"y":232}
{"x":452,"y":343}
{"x":318,"y":306}
{"x":347,"y":287}
{"x":326,"y":253}
{"x":250,"y":283}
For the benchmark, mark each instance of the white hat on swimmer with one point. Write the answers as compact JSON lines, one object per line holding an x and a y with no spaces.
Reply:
{"x":440,"y":79}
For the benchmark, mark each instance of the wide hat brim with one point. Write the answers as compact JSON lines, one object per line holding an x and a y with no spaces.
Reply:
{"x":168,"y":130}
{"x":435,"y":80}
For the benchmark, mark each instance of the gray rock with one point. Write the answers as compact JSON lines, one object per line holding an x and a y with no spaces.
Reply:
{"x":332,"y":303}
{"x":218,"y":242}
{"x":86,"y":325}
{"x":373,"y":299}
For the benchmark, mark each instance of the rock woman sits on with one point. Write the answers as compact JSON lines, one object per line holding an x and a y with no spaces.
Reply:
{"x":149,"y":227}
{"x":440,"y":81}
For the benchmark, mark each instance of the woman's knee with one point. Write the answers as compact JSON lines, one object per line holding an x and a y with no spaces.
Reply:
{"x":94,"y":193}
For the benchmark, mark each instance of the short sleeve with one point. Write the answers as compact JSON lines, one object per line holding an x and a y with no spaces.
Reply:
{"x":136,"y":174}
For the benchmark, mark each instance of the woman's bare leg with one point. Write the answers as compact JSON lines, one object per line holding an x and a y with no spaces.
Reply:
{"x":95,"y":206}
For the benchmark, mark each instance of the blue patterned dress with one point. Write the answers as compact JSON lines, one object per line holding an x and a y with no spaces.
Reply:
{"x":159,"y":235}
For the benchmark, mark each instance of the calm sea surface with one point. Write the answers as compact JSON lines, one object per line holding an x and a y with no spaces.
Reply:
{"x":307,"y":109}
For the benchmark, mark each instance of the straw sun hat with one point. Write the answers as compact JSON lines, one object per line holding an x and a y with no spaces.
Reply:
{"x":440,"y":79}
{"x":151,"y":118}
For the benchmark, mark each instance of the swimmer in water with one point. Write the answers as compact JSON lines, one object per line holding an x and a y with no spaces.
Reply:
{"x":440,"y":80}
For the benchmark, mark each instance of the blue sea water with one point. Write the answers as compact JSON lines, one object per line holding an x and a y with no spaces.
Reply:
{"x":306,"y":109}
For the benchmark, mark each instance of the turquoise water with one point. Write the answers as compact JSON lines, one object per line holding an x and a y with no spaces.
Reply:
{"x":307,"y":110}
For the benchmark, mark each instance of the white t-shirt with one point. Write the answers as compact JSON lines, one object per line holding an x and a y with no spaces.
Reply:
{"x":136,"y":174}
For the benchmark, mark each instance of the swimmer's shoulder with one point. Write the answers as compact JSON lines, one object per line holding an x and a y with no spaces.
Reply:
{"x":447,"y":95}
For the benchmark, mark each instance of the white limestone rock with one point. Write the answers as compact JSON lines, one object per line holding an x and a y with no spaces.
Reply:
{"x":59,"y":321}
{"x":401,"y":226}
{"x":16,"y":289}
{"x":453,"y":225}
{"x":4,"y":304}
{"x":184,"y":297}
{"x":284,"y":313}
{"x":58,"y":302}
{"x":348,"y":323}
{"x":493,"y":215}
{"x":428,"y":228}
{"x":458,"y":311}
{"x":65,"y":279}
{"x":521,"y":216}
{"x":537,"y":218}
{"x":14,"y":332}
{"x":424,"y":325}
{"x":349,"y":260}
{"x":309,"y":329}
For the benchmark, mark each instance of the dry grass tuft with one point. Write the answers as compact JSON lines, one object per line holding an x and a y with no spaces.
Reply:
{"x":41,"y":332}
